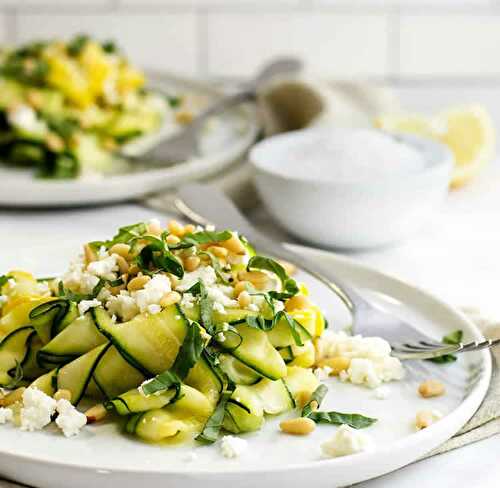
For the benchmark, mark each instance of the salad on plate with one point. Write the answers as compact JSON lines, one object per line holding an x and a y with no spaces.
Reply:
{"x":68,"y":108}
{"x":177,"y":332}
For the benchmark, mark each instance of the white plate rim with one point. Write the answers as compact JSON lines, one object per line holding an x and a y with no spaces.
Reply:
{"x":430,"y":437}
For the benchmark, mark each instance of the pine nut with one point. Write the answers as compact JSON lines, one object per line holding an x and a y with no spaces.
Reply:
{"x":234,"y":245}
{"x":431,"y":388}
{"x":54,"y":142}
{"x":258,"y":279}
{"x":184,"y":117}
{"x":170,"y":298}
{"x":137,"y":283}
{"x":96,"y":413}
{"x":189,"y":229}
{"x":172,"y":240}
{"x":239,"y":287}
{"x":174,"y":281}
{"x":298,"y":426}
{"x":154,"y":228}
{"x":34,"y":98}
{"x":289,"y":268}
{"x":121,"y":249}
{"x":336,"y":364}
{"x":175,"y":228}
{"x":89,"y":254}
{"x":244,"y":299}
{"x":219,"y":251}
{"x":191,"y":263}
{"x":122,"y":264}
{"x":62,"y":395}
{"x":133,"y":270}
{"x":298,"y":302}
{"x":424,"y":418}
{"x":13,"y":397}
{"x":303,"y":398}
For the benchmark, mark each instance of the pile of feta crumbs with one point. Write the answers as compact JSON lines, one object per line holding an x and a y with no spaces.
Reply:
{"x":369,"y":358}
{"x":37,"y":411}
{"x":233,"y":447}
{"x":346,"y":441}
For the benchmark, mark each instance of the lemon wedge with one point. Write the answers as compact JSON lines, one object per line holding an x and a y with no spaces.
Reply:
{"x":467,"y":131}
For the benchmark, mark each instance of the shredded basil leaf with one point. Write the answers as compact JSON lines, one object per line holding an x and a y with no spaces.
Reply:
{"x":124,"y":236}
{"x":288,"y":284}
{"x":77,"y":44}
{"x":217,"y":267}
{"x":163,"y":381}
{"x":452,"y":338}
{"x":206,"y":237}
{"x":17,"y":378}
{"x":3,"y":280}
{"x":258,"y":322}
{"x":211,"y":430}
{"x":317,"y":397}
{"x":190,"y":351}
{"x":354,"y":420}
{"x":295,"y":327}
{"x":157,"y":254}
{"x":206,"y":309}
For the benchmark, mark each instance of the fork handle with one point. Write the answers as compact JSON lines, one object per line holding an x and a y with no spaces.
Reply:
{"x":226,"y":214}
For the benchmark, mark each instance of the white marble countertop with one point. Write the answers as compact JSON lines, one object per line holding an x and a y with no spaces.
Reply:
{"x":455,"y":256}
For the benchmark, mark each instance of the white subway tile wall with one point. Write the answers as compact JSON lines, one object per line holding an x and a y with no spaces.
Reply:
{"x":371,"y":39}
{"x":334,"y":45}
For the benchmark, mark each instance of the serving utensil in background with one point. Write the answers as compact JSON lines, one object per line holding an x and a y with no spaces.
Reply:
{"x":204,"y":205}
{"x":184,"y":144}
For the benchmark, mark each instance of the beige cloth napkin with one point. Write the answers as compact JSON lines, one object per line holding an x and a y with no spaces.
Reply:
{"x":486,"y":421}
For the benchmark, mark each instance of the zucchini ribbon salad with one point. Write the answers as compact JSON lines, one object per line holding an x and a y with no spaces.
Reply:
{"x":179,"y":332}
{"x":66,"y":108}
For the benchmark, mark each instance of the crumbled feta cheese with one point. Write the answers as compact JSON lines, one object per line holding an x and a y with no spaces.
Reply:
{"x":382,"y":393}
{"x":152,"y":293}
{"x":154,"y":308}
{"x":225,"y":327}
{"x":204,"y":273}
{"x":220,"y":337}
{"x":86,"y":305}
{"x":123,"y":305}
{"x":24,"y":117}
{"x":3,"y":300}
{"x":218,"y":307}
{"x":232,"y":447}
{"x":43,"y":288}
{"x":323,"y":373}
{"x":253,"y":307}
{"x":210,"y":228}
{"x":188,"y":300}
{"x":104,"y":268}
{"x":347,"y":441}
{"x":371,"y":362}
{"x":69,"y":419}
{"x":6,"y":415}
{"x":222,"y":294}
{"x":37,"y":409}
{"x":278,"y":305}
{"x":77,"y":279}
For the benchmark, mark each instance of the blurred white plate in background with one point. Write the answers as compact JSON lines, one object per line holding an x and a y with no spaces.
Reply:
{"x":228,"y":138}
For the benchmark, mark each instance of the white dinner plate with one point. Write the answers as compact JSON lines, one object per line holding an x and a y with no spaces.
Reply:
{"x":103,"y":457}
{"x":228,"y":137}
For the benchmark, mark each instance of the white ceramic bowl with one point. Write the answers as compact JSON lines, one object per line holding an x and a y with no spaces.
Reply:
{"x":353,"y":214}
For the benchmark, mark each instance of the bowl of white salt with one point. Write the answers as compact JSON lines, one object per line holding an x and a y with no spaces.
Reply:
{"x":351,"y":188}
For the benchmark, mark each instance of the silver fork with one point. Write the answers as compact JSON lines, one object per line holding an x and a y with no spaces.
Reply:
{"x":183,"y":144}
{"x":203,"y":204}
